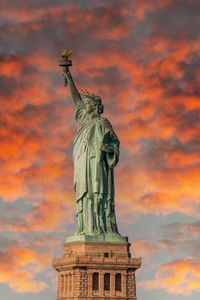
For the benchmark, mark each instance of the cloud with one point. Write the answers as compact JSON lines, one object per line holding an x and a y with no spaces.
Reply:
{"x":180,"y":277}
{"x":50,"y":214}
{"x":19,"y":267}
{"x":33,"y":147}
{"x":144,"y":7}
{"x":144,"y":248}
{"x":181,"y":239}
{"x":138,"y":83}
{"x":150,"y":179}
{"x":94,"y":21}
{"x":97,"y":20}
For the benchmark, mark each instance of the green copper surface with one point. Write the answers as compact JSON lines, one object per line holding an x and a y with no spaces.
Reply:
{"x":107,"y":237}
{"x":95,"y":154}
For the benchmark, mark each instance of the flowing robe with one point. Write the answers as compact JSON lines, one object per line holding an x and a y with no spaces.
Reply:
{"x":93,"y":173}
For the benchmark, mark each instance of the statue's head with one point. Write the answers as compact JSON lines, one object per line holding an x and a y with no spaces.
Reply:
{"x":92,"y":103}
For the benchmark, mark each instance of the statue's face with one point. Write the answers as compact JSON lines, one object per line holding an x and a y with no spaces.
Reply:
{"x":90,"y":105}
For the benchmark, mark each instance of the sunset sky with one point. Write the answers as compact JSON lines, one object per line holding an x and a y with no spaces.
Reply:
{"x":143,"y":58}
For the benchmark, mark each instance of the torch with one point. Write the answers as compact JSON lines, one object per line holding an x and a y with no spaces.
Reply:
{"x":65,"y":63}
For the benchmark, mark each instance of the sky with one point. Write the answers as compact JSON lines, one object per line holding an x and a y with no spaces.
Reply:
{"x":143,"y":58}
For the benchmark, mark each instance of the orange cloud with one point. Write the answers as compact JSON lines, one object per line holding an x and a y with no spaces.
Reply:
{"x":27,"y":15}
{"x":180,"y":277}
{"x":143,"y":248}
{"x":142,"y":7}
{"x":15,"y":265}
{"x":147,"y":118}
{"x":33,"y":152}
{"x":52,"y":213}
{"x":97,"y":22}
{"x":11,"y":66}
{"x":51,"y":205}
{"x":181,"y":159}
{"x":159,"y":191}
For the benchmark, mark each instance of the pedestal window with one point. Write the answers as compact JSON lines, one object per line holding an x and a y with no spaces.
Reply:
{"x":107,"y":282}
{"x":118,"y":283}
{"x":95,"y":281}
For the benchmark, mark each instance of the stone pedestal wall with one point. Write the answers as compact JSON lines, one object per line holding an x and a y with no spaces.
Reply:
{"x":82,"y":263}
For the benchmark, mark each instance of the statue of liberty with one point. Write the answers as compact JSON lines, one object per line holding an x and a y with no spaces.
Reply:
{"x":95,"y":154}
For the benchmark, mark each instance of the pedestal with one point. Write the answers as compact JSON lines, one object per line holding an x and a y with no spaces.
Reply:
{"x":96,"y":270}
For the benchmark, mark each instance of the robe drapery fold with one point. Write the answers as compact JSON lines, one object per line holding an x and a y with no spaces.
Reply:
{"x":93,"y":173}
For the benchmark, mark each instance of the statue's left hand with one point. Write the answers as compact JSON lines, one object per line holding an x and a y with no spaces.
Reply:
{"x":106,"y":148}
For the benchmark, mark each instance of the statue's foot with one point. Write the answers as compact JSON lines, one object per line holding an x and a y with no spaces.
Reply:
{"x":79,"y":233}
{"x":98,"y":232}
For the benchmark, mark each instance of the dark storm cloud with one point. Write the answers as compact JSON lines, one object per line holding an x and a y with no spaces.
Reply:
{"x":183,"y":16}
{"x":64,"y":24}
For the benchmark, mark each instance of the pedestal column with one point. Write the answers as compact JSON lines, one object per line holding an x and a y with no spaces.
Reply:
{"x":90,"y":284}
{"x":124,"y":278}
{"x":101,"y":284}
{"x":112,"y":284}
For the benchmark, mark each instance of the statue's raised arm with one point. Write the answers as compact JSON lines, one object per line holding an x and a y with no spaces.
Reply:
{"x":68,"y":80}
{"x":75,"y":95}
